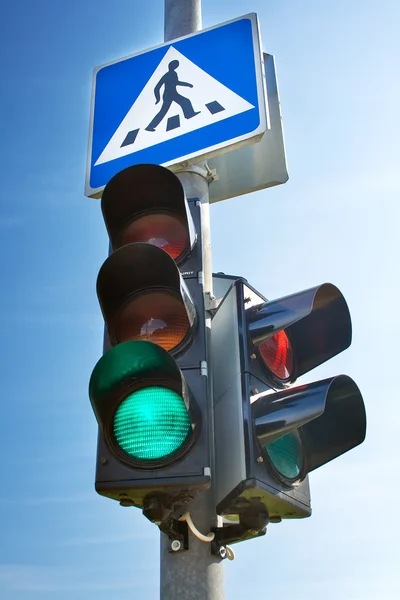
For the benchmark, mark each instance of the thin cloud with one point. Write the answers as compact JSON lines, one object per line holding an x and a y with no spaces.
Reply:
{"x":77,"y":452}
{"x":108,"y":539}
{"x":77,"y":498}
{"x":90,"y":321}
{"x":30,"y":578}
{"x":93,"y":586}
{"x":9,"y":222}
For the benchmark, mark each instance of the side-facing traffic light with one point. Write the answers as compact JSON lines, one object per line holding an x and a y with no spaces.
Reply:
{"x":149,"y":391}
{"x":270,"y":434}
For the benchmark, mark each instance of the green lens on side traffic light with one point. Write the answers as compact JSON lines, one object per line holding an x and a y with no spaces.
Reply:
{"x":286,"y":455}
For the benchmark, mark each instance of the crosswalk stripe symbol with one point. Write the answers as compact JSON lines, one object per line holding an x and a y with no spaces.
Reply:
{"x":178,"y":98}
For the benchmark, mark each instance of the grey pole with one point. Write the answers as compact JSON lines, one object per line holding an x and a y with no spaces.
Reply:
{"x":193,"y":574}
{"x":181,"y":17}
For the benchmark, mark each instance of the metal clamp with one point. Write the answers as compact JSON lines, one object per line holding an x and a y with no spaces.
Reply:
{"x":178,"y":533}
{"x":211,"y":303}
{"x":203,"y":170}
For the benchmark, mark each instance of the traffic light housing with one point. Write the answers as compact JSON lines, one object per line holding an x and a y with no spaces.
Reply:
{"x":269,"y":432}
{"x":161,"y":427}
{"x":150,"y":391}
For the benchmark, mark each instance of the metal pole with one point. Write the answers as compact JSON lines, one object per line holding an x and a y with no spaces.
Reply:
{"x":181,"y":17}
{"x":193,"y":574}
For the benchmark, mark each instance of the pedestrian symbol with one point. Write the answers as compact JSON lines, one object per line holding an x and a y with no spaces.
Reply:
{"x":206,"y":101}
{"x":170,"y":82}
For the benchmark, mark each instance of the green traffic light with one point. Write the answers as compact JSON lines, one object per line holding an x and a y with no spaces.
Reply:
{"x":286,"y":455}
{"x":138,"y":396}
{"x":152,"y":423}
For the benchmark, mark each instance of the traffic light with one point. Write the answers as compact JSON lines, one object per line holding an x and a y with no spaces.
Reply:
{"x":270,"y":433}
{"x":149,"y":391}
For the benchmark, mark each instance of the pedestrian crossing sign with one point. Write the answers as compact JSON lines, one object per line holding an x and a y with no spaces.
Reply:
{"x":187,"y":100}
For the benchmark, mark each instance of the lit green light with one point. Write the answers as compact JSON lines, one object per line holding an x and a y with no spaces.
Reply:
{"x":151,"y":423}
{"x":286,"y":455}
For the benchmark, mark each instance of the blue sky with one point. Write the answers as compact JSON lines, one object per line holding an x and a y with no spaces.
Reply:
{"x":335,"y":220}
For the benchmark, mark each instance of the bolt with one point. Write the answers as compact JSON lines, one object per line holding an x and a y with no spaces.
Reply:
{"x":126,"y":502}
{"x":103,"y":460}
{"x":253,"y":356}
{"x":260,"y":459}
{"x":222,"y":552}
{"x":254,"y":391}
{"x":175,"y":545}
{"x":275,"y":519}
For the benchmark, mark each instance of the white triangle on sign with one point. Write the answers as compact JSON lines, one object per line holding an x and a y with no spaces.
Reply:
{"x":205,"y":91}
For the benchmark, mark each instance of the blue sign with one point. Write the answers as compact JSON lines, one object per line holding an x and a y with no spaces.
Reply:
{"x":186,"y":100}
